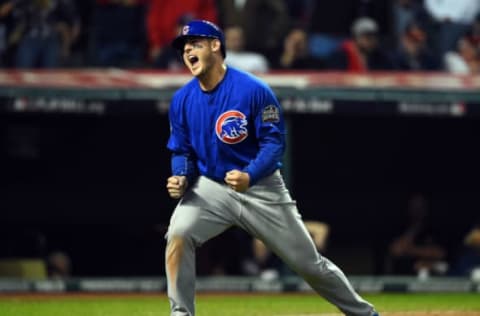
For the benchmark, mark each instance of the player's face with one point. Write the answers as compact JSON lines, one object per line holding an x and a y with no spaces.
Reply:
{"x":197,"y":55}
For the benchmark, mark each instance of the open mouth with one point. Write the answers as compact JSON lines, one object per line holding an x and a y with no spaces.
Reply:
{"x":193,"y":60}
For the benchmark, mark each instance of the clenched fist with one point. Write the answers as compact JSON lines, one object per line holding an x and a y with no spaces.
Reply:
{"x":238,"y":180}
{"x":176,"y":186}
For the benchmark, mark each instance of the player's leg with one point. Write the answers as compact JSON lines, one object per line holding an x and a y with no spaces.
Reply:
{"x":198,"y":217}
{"x":272,"y":216}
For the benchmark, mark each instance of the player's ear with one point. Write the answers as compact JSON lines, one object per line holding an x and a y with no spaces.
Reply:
{"x":215,"y":44}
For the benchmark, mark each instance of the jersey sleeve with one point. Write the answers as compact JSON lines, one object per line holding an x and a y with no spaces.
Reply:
{"x":183,"y":157}
{"x":270,"y":132}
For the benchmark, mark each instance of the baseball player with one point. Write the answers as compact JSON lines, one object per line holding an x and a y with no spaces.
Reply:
{"x":227,"y":140}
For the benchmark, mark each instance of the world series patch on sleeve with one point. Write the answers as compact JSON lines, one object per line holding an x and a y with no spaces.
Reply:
{"x":271,"y":114}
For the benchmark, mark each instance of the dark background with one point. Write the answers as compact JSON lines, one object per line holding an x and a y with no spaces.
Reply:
{"x":93,"y":186}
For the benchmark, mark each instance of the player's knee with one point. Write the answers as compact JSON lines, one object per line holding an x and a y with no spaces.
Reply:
{"x":179,"y":232}
{"x":178,"y":237}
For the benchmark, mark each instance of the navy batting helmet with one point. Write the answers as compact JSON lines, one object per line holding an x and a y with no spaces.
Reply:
{"x":199,"y":28}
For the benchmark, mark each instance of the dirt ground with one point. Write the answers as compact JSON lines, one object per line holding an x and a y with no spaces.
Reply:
{"x":432,"y":313}
{"x":442,"y":313}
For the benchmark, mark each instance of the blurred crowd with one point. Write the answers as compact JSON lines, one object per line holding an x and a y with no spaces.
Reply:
{"x":417,"y":246}
{"x":420,"y":247}
{"x":261,"y":35}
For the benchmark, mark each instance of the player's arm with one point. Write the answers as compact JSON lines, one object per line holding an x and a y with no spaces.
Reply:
{"x":183,"y":162}
{"x":270,"y":131}
{"x":184,"y":172}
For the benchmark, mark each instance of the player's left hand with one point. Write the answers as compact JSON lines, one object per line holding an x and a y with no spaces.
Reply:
{"x":238,"y":180}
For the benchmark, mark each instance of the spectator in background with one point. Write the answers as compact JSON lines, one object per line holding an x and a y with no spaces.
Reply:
{"x":238,"y":57}
{"x":415,"y":250}
{"x":59,"y":265}
{"x":362,"y":53}
{"x":119,"y":33}
{"x":264,"y":23}
{"x":169,"y":58}
{"x":163,"y":17}
{"x":404,"y":13}
{"x":465,"y":59}
{"x":469,"y":258}
{"x":330,"y":22}
{"x":296,"y":54}
{"x":45,"y":30}
{"x":413,"y":52}
{"x":451,"y":20}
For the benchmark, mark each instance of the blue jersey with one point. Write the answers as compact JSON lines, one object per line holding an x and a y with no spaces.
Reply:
{"x":238,"y":125}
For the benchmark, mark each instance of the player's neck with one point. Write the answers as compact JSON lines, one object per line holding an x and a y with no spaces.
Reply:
{"x":211,"y":79}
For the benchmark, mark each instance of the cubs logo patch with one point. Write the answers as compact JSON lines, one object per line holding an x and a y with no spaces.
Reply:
{"x":271,"y":114}
{"x":185,"y":30}
{"x":231,"y":127}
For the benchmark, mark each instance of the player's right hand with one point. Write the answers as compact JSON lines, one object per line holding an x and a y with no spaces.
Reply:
{"x":176,"y":186}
